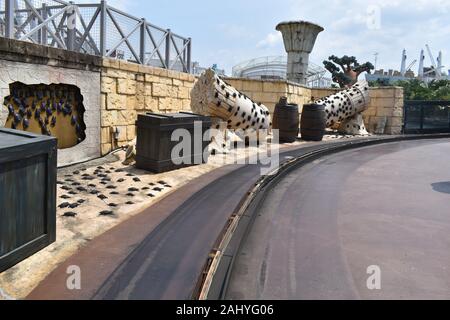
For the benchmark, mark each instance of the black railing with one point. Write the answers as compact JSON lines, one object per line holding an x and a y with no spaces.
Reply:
{"x":426,"y":117}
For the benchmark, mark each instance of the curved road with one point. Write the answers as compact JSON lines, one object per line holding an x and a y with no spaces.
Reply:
{"x":324,"y":224}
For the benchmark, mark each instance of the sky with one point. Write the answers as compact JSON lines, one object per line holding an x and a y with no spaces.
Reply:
{"x":231,"y":31}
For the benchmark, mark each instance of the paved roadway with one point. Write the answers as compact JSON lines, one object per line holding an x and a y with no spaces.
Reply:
{"x":322,"y":226}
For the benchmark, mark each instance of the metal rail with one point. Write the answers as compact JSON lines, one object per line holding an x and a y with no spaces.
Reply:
{"x":96,"y":29}
{"x":426,"y":117}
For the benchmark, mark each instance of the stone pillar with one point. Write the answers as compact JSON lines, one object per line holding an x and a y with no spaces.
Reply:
{"x":299,"y":38}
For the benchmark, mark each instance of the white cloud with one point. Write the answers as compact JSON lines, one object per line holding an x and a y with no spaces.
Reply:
{"x":234,"y":31}
{"x":271,"y":40}
{"x":403,"y":24}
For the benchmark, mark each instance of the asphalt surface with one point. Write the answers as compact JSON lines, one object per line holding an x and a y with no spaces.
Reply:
{"x":169,"y":261}
{"x":323,"y":225}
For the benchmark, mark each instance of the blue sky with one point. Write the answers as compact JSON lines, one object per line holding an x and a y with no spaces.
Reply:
{"x":228,"y":32}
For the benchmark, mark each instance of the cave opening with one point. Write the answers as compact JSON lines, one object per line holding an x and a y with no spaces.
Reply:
{"x":55,"y":110}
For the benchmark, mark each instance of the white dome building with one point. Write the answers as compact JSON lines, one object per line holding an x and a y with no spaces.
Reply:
{"x":275,"y":68}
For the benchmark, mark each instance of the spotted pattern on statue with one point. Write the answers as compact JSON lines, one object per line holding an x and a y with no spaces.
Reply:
{"x":243,"y":112}
{"x":346,"y":103}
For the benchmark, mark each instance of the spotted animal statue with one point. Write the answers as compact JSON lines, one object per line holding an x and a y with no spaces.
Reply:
{"x":212,"y":96}
{"x":345,"y":108}
{"x":230,"y":110}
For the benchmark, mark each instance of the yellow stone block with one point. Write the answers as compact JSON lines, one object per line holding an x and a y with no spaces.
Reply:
{"x":140,"y":77}
{"x":151,"y":103}
{"x":165,"y":104}
{"x":159,"y":90}
{"x":278,"y":87}
{"x":151,"y":78}
{"x":103,"y":101}
{"x":131,"y":132}
{"x":235,"y":83}
{"x":188,"y":84}
{"x":106,"y":148}
{"x":177,"y":82}
{"x":129,"y":66}
{"x":186,"y":104}
{"x":105,"y":135}
{"x":252,"y":85}
{"x":108,"y":85}
{"x":126,"y":86}
{"x":115,"y":73}
{"x":173,"y":74}
{"x":116,"y":102}
{"x":160,"y":72}
{"x":165,"y":80}
{"x":131,"y":102}
{"x":108,"y":118}
{"x":183,"y":92}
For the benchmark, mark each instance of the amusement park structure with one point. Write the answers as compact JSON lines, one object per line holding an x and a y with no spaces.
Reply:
{"x":275,"y":67}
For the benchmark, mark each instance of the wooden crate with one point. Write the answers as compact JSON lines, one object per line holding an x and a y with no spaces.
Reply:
{"x":27,"y":195}
{"x":154,"y":146}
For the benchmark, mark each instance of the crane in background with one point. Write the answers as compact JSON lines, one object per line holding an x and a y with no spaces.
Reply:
{"x":435,"y":67}
{"x":411,"y":65}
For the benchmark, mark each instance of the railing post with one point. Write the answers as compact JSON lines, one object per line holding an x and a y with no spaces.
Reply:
{"x":9,"y":17}
{"x":421,"y":116}
{"x":189,"y":48}
{"x":71,"y":28}
{"x":44,"y":36}
{"x":142,"y":41}
{"x":103,"y":6}
{"x":168,"y":38}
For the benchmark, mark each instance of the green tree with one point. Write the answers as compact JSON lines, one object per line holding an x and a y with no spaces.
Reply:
{"x":416,"y":89}
{"x":346,"y":70}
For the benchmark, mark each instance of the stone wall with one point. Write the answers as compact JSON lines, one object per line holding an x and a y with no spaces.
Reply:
{"x":385,"y":101}
{"x":34,"y":64}
{"x":268,"y":92}
{"x":115,"y":92}
{"x":128,"y":89}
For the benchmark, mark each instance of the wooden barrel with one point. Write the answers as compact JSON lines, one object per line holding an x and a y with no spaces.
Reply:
{"x":313,"y":122}
{"x":286,"y":120}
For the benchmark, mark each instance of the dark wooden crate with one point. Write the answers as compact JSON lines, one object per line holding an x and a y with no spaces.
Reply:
{"x":154,"y":145}
{"x":27,"y":195}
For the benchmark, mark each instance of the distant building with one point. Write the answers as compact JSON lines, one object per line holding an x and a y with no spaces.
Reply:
{"x":275,"y":68}
{"x":426,"y":74}
{"x":198,"y":70}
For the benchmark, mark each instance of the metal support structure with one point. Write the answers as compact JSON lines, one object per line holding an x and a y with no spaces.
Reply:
{"x":44,"y":35}
{"x":9,"y":18}
{"x":168,"y":37}
{"x":188,"y":59}
{"x":142,"y":41}
{"x":71,"y":28}
{"x":103,"y":6}
{"x":97,"y":29}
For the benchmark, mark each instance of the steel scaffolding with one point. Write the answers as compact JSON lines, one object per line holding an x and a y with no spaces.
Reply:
{"x":97,"y":29}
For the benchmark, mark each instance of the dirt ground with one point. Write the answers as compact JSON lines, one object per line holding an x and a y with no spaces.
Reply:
{"x":94,"y":197}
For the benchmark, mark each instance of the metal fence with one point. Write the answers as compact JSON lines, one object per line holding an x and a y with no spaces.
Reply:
{"x":97,"y":29}
{"x":427,"y":117}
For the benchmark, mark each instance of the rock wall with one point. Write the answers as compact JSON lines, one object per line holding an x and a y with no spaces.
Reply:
{"x":129,"y":89}
{"x":268,"y":92}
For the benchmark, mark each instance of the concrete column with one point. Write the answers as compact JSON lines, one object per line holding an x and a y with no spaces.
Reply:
{"x":299,"y":38}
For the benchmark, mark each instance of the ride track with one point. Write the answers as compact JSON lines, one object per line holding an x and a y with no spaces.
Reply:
{"x":165,"y":259}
